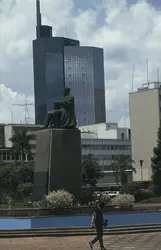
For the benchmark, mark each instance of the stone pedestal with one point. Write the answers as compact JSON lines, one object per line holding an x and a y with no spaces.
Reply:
{"x":58,"y":161}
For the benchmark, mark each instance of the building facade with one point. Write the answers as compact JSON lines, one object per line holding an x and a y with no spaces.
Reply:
{"x":84,"y":74}
{"x":8,"y":131}
{"x":49,"y":77}
{"x":60,"y":62}
{"x":145,"y":116}
{"x":106,"y":141}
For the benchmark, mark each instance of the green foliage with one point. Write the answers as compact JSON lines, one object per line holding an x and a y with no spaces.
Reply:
{"x":102,"y":197}
{"x":156,"y":165}
{"x":106,"y":199}
{"x":23,"y":190}
{"x":59,"y":200}
{"x":86,"y":196}
{"x":21,"y":143}
{"x":13,"y":175}
{"x":123,"y":200}
{"x":130,"y":188}
{"x":92,"y":171}
{"x":143,"y":194}
{"x":138,"y":192}
{"x":122,"y":163}
{"x":20,"y":204}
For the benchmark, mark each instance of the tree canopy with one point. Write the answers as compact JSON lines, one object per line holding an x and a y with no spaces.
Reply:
{"x":91,"y":170}
{"x":156,"y":165}
{"x":13,"y":177}
{"x":21,"y":144}
{"x":120,"y":167}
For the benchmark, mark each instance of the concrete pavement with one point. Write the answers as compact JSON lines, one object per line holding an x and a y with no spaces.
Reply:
{"x":148,"y":241}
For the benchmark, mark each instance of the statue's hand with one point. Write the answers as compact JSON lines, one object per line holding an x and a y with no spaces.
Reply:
{"x":56,"y":105}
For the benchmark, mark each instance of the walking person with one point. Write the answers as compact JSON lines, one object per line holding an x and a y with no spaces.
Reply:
{"x":98,"y":222}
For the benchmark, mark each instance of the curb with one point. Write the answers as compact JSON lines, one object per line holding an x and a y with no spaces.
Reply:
{"x":84,"y":231}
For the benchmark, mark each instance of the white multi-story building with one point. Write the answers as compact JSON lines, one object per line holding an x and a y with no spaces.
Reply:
{"x":7,"y":131}
{"x":105,"y":141}
{"x":145,"y":116}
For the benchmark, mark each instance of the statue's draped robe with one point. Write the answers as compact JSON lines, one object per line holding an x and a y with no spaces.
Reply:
{"x":67,"y":114}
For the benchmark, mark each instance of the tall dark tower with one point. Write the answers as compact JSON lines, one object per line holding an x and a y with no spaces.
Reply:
{"x":60,"y":62}
{"x":48,"y":60}
{"x":41,"y":30}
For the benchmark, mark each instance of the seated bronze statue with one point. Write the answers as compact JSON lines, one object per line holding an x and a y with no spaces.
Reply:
{"x":63,"y":114}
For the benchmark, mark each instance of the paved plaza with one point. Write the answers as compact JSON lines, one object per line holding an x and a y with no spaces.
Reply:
{"x":150,"y":241}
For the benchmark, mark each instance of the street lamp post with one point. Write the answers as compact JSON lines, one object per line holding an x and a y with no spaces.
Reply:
{"x":141,"y":166}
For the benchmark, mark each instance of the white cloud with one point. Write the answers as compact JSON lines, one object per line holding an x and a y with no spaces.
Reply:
{"x":129,"y":35}
{"x":12,"y":107}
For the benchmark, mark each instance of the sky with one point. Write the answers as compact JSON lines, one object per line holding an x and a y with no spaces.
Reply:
{"x":129,"y":31}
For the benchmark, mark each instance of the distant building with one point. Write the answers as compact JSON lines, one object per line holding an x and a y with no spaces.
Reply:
{"x":7,"y":132}
{"x":105,"y":141}
{"x":145,"y":116}
{"x":60,"y":62}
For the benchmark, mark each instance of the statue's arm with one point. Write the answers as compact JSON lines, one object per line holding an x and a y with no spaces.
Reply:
{"x":66,"y":101}
{"x":61,"y":101}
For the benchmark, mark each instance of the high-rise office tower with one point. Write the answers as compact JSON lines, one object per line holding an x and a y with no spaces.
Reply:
{"x":60,"y":62}
{"x":48,"y":59}
{"x":84,"y":74}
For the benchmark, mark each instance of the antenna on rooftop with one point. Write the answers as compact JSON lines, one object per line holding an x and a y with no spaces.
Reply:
{"x":38,"y":18}
{"x":25,"y":105}
{"x":123,"y":118}
{"x":11,"y":116}
{"x":132,"y":84}
{"x":158,"y":75}
{"x":147,"y":70}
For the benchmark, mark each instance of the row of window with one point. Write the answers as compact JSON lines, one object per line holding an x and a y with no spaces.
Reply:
{"x":104,"y":158}
{"x":8,"y":156}
{"x":106,"y":147}
{"x":83,"y":74}
{"x":107,"y":157}
{"x":79,"y":83}
{"x":108,"y":168}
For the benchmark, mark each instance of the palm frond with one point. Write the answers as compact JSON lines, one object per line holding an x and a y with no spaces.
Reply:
{"x":21,"y":142}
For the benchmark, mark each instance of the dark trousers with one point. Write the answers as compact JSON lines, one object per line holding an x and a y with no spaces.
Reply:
{"x":52,"y":119}
{"x":99,"y":237}
{"x":48,"y":118}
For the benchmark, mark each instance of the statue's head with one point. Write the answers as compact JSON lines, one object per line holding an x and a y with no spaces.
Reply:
{"x":66,"y":91}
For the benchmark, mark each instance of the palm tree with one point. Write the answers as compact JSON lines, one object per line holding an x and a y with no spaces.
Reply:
{"x":21,"y":144}
{"x":91,"y":170}
{"x":120,"y":167}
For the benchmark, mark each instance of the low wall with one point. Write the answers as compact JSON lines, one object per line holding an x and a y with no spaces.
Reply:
{"x":70,"y":221}
{"x":36,"y":212}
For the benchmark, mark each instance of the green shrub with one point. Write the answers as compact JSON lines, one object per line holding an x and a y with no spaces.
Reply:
{"x":123,"y":200}
{"x":152,"y":200}
{"x":105,"y":199}
{"x":87,"y":196}
{"x":97,"y":195}
{"x":130,"y":188}
{"x":14,"y":204}
{"x":59,"y":200}
{"x":143,"y":194}
{"x":23,"y":191}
